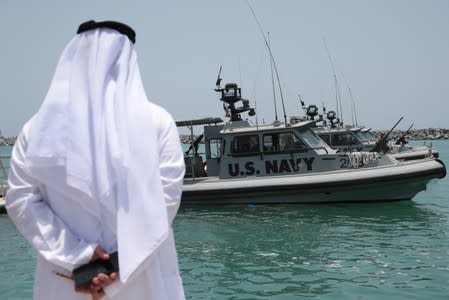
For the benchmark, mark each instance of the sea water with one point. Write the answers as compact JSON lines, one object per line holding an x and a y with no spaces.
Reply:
{"x":396,"y":250}
{"x":5,"y":153}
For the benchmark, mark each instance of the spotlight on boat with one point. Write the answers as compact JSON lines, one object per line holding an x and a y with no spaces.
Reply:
{"x":331,"y":116}
{"x":231,"y":93}
{"x":312,"y":111}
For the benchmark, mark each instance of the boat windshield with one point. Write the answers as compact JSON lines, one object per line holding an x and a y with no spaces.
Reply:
{"x":344,"y":139}
{"x":314,"y":141}
{"x":282,"y":141}
{"x":366,"y":136}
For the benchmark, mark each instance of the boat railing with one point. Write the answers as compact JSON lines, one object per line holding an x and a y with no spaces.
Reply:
{"x":194,"y":166}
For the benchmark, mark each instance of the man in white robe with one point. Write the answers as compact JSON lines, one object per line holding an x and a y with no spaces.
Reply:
{"x":99,"y":167}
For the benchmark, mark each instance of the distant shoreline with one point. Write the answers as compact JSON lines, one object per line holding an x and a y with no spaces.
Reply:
{"x":414,"y":134}
{"x":7,"y":141}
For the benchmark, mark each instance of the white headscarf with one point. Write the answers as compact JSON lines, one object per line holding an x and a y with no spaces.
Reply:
{"x":95,"y":124}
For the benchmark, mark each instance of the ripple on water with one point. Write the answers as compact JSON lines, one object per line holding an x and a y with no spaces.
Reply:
{"x":329,"y":251}
{"x":16,"y":263}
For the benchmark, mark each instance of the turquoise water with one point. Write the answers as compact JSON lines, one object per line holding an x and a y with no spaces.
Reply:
{"x":334,"y":251}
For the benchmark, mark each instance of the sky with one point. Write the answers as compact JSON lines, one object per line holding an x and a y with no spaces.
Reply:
{"x":392,"y":54}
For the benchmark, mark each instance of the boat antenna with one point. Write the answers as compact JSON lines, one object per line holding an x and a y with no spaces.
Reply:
{"x":303,"y":105}
{"x":353,"y":103}
{"x":257,"y":120}
{"x":271,"y":58}
{"x":218,"y":82}
{"x":272,"y":84}
{"x":337,"y":89}
{"x":240,"y":73}
{"x":354,"y":108}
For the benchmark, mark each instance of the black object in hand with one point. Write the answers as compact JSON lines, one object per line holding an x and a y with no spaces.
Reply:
{"x":84,"y":274}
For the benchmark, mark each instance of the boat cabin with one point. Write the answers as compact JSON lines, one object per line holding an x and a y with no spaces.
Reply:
{"x":241,"y":148}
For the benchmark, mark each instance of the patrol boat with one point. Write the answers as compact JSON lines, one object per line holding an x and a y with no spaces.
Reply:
{"x":288,"y":163}
{"x":355,"y":138}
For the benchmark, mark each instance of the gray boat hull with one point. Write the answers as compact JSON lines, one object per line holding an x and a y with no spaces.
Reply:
{"x":391,"y":183}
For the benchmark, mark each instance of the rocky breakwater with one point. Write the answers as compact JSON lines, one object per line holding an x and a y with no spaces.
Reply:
{"x":7,"y":141}
{"x":417,"y":134}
